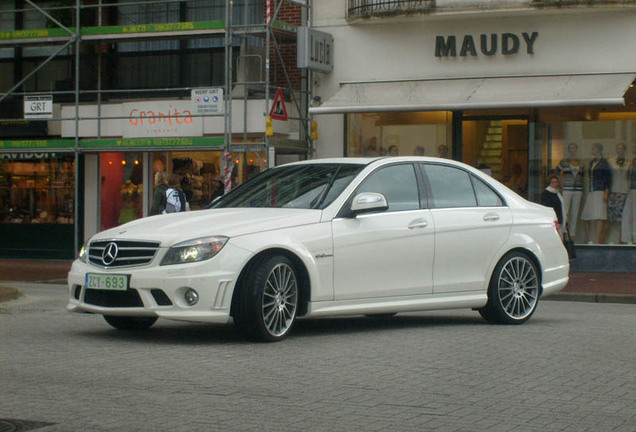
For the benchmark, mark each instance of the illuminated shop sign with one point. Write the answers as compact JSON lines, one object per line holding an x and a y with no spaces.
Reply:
{"x":485,"y":44}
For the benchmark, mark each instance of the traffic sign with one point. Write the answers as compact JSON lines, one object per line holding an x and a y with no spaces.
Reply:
{"x":278,"y":110}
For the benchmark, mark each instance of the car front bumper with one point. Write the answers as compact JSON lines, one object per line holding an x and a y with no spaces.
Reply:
{"x":160,"y":290}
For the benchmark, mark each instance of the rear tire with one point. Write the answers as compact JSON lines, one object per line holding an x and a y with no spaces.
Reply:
{"x":513,"y":292}
{"x":130,"y":323}
{"x":269,"y":301}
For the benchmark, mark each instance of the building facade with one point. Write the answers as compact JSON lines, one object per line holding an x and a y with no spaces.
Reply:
{"x":96,"y":96}
{"x":524,"y":89}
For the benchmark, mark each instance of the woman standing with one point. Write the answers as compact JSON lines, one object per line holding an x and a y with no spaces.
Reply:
{"x":551,"y":197}
{"x":159,"y":199}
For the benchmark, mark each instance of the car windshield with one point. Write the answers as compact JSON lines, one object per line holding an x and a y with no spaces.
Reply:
{"x":311,"y":186}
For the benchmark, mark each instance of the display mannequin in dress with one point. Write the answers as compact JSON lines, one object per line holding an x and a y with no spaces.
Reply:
{"x":571,"y":170}
{"x":628,"y":223}
{"x":595,"y":209}
{"x":620,"y":186}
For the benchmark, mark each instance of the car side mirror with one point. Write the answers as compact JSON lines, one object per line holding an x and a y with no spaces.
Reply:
{"x":368,"y":202}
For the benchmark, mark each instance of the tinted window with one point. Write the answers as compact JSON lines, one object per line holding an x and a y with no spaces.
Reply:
{"x":486,"y":197}
{"x":310,"y":186}
{"x":450,"y":187}
{"x":397,"y":183}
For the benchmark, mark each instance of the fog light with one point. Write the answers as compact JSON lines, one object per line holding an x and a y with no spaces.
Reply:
{"x":191,"y":297}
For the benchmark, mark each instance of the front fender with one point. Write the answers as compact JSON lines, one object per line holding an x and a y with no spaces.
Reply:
{"x":313,"y":247}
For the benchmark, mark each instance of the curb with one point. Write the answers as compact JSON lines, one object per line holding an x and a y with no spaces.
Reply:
{"x":593,"y":298}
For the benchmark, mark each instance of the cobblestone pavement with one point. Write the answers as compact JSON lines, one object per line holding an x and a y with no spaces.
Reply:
{"x":571,"y":368}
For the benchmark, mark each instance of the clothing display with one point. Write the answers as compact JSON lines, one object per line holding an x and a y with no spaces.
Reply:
{"x":600,"y":181}
{"x":572,"y":173}
{"x":628,"y":223}
{"x":619,"y":189}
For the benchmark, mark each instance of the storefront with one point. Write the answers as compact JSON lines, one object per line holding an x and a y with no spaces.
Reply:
{"x":520,"y":94}
{"x":37,"y":198}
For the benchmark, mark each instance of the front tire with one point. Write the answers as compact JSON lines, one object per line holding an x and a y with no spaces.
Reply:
{"x":130,"y":323}
{"x":270,"y":300}
{"x":513,"y":293}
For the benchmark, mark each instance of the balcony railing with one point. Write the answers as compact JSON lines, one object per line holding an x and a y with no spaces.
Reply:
{"x":369,"y":8}
{"x":379,"y":8}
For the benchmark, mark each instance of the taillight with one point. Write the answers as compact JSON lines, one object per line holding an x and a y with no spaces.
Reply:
{"x":556,"y":226}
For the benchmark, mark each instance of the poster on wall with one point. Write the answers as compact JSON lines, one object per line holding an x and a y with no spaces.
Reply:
{"x":160,"y":119}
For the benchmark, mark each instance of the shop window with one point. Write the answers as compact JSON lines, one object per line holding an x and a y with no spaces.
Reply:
{"x":204,"y":176}
{"x":395,"y":134}
{"x":37,"y":188}
{"x":593,"y":151}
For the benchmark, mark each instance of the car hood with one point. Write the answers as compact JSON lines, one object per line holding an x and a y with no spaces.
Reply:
{"x":173,"y":228}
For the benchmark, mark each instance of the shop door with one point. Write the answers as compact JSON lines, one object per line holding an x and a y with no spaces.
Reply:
{"x":121,"y":188}
{"x":498,"y":146}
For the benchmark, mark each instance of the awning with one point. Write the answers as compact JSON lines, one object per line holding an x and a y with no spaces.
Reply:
{"x":478,"y":93}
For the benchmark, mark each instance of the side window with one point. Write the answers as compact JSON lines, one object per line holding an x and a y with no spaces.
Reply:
{"x":397,"y":183}
{"x":486,"y":197}
{"x":450,"y":187}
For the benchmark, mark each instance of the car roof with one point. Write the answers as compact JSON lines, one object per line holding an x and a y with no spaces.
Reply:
{"x":369,"y":160}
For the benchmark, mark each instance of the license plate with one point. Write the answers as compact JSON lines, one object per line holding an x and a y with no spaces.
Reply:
{"x":106,"y":282}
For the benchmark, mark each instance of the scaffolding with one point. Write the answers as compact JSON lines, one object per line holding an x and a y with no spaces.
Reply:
{"x":81,"y":38}
{"x":255,"y":67}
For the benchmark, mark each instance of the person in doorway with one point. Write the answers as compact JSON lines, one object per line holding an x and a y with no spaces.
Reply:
{"x":571,"y":170}
{"x":551,"y":197}
{"x":442,"y":151}
{"x":516,"y":182}
{"x":595,"y":209}
{"x":628,"y":223}
{"x":620,"y":186}
{"x":175,"y":198}
{"x":219,"y":188}
{"x":159,"y":198}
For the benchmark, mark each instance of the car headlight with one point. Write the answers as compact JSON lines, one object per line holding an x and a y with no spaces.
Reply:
{"x":83,"y":253}
{"x":194,"y":250}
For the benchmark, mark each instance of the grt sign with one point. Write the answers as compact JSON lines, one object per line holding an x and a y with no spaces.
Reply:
{"x":485,"y":44}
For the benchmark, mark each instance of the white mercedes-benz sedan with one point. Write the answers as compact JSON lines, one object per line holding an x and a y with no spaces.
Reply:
{"x":325,"y":238}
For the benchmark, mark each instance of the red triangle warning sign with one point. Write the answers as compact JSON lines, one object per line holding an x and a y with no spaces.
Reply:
{"x":278,"y":111}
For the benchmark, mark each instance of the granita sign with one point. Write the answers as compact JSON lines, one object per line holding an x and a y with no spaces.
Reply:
{"x":160,"y":119}
{"x":485,"y":44}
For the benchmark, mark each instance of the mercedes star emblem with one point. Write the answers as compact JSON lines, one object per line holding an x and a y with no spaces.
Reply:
{"x":110,"y":253}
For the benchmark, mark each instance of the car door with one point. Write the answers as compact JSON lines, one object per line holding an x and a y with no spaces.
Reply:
{"x":472,"y":223}
{"x":388,"y":253}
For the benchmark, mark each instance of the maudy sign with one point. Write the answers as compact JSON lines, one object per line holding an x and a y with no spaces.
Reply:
{"x":38,"y":107}
{"x":485,"y":44}
{"x":315,"y":50}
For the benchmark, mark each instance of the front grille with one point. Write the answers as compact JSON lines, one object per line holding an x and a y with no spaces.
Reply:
{"x":121,"y":253}
{"x":128,"y":298}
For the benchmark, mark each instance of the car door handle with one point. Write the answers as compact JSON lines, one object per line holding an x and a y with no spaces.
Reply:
{"x":491,"y":217}
{"x":418,"y":224}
